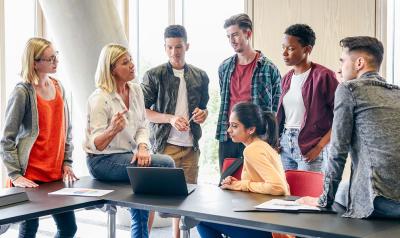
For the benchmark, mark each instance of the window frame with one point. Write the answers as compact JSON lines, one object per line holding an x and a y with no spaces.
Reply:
{"x":39,"y":31}
{"x":2,"y":81}
{"x":392,"y":49}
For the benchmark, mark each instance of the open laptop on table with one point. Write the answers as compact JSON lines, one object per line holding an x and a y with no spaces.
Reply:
{"x":159,"y":181}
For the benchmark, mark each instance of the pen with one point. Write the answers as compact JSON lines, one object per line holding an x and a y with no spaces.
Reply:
{"x":191,"y":119}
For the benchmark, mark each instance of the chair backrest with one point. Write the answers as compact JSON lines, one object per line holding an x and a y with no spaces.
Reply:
{"x":305,"y":183}
{"x":228,"y":162}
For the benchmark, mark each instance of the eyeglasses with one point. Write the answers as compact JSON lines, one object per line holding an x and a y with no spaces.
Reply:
{"x":51,"y":59}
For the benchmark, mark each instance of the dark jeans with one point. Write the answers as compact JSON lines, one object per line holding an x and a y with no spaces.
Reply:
{"x":112,"y":167}
{"x":229,"y":149}
{"x":383,"y":207}
{"x":66,"y":226}
{"x":212,"y":230}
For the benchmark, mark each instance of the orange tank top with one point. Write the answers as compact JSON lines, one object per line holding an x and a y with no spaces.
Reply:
{"x":47,"y":154}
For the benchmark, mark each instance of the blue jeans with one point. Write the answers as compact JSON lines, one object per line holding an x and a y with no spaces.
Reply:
{"x":213,"y":230}
{"x":291,"y":155}
{"x":66,"y":226}
{"x":383,"y":207}
{"x":112,"y":167}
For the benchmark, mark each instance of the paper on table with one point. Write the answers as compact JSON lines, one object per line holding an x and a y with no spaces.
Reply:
{"x":279,"y":204}
{"x":86,"y":192}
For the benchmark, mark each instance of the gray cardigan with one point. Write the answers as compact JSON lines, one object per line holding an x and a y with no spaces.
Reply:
{"x":21,"y":130}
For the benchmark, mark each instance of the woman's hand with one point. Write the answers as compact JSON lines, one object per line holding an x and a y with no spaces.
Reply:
{"x":227,"y":183}
{"x":68,"y":174}
{"x":313,"y":153}
{"x":118,"y":122}
{"x":142,"y":156}
{"x":24,"y":183}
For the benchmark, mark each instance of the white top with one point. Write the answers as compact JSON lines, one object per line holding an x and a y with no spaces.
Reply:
{"x":181,"y":138}
{"x":293,"y":102}
{"x":100,"y":109}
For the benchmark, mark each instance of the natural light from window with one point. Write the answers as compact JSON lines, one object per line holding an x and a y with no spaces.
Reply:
{"x":19,"y":24}
{"x":152,"y":22}
{"x":209,"y":46}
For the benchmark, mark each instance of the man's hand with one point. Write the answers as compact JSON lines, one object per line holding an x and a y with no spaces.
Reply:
{"x":68,"y":174}
{"x":24,"y":183}
{"x":199,"y":116}
{"x":310,"y":201}
{"x":142,"y":156}
{"x":179,"y":123}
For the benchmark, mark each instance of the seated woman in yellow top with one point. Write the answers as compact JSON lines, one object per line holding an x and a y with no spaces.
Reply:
{"x":262,"y":168}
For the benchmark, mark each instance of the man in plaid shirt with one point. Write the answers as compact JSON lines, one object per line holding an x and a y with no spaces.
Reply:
{"x":246,"y":76}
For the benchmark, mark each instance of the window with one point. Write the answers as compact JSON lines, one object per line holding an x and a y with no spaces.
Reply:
{"x":19,"y":21}
{"x":19,"y":26}
{"x":146,"y":28}
{"x":209,"y":46}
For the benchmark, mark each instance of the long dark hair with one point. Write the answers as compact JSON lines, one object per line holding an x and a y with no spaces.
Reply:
{"x":251,"y":115}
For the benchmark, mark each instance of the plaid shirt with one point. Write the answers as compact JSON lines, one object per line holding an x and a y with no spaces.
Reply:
{"x":265,"y":89}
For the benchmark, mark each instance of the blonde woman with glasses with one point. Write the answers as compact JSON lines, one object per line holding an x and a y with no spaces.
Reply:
{"x":117,"y":134}
{"x":36,"y":143}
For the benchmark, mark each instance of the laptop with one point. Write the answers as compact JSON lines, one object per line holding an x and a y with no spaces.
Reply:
{"x":159,"y":181}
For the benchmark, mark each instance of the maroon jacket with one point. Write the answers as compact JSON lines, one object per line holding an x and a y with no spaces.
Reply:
{"x":318,"y":95}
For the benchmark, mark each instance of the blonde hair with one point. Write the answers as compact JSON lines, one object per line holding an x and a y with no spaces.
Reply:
{"x":33,"y":51}
{"x":108,"y":57}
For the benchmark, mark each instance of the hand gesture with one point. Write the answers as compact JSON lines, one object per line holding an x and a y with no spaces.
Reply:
{"x":142,"y":156}
{"x":24,"y":183}
{"x":199,"y":116}
{"x":118,"y":122}
{"x":179,"y":123}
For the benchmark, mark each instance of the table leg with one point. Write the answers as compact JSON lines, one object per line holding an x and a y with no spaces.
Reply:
{"x":111,"y":210}
{"x":186,"y":224}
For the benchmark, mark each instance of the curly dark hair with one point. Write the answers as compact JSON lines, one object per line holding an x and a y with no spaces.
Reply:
{"x":303,"y":32}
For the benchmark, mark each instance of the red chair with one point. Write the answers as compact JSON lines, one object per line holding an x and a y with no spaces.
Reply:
{"x":305,"y":183}
{"x":228,"y":162}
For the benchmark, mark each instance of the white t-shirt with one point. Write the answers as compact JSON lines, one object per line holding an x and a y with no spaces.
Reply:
{"x":293,"y":102}
{"x":181,"y":138}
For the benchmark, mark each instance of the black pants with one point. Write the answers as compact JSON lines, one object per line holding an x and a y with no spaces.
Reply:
{"x":229,"y":149}
{"x":66,"y":226}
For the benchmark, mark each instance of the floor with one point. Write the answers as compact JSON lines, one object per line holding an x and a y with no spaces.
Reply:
{"x":93,"y":223}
